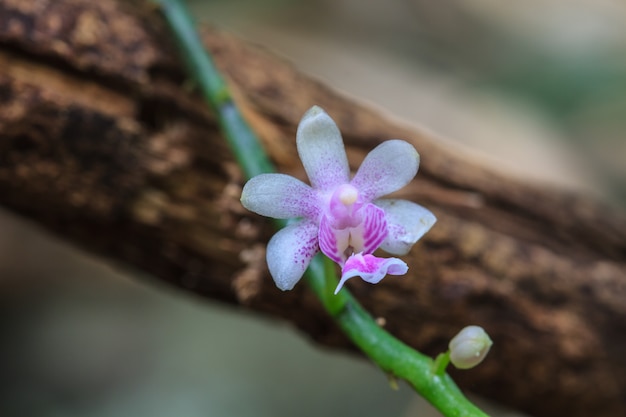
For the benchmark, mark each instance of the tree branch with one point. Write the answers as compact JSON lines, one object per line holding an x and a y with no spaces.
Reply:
{"x":102,"y":142}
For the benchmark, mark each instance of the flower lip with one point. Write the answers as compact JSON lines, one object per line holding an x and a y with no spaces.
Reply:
{"x":370,"y":268}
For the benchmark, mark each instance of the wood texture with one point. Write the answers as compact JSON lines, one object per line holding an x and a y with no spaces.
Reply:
{"x":102,"y":141}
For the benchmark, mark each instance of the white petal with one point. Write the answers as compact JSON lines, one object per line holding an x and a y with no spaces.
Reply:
{"x":387,"y":168}
{"x":289,"y":253}
{"x":407,"y":222}
{"x":279,"y":196}
{"x":321,"y":150}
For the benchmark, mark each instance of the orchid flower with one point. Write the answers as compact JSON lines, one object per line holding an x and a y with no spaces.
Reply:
{"x":342,"y":217}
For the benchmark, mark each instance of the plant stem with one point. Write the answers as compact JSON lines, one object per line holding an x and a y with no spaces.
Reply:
{"x":441,"y":363}
{"x":389,"y":353}
{"x":241,"y":138}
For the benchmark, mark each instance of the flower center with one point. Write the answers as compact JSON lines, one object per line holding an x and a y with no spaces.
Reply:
{"x":344,"y":207}
{"x":347,"y":194}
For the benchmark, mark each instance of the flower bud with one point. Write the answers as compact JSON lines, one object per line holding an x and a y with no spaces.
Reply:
{"x":469,"y":347}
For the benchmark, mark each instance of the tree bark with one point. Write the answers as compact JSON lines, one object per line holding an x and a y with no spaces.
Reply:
{"x":102,"y":141}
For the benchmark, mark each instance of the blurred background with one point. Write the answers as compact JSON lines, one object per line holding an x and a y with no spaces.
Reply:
{"x":538,"y":87}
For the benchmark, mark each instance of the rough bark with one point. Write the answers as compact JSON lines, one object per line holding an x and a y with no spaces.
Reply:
{"x":102,"y":141}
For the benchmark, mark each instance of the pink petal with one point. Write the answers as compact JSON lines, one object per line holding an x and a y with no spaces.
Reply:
{"x":370,"y":268}
{"x":333,"y":242}
{"x":374,"y":229}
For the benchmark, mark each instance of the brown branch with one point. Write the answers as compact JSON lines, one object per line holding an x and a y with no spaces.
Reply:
{"x":101,"y":141}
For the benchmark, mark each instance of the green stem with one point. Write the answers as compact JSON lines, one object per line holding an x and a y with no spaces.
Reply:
{"x":395,"y":357}
{"x":389,"y":353}
{"x":404,"y":362}
{"x":441,"y":363}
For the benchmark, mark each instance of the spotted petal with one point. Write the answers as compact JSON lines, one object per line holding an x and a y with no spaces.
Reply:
{"x":290,"y":251}
{"x":387,"y":168}
{"x":407,"y":222}
{"x":321,"y":150}
{"x":279,"y":196}
{"x":370,"y":268}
